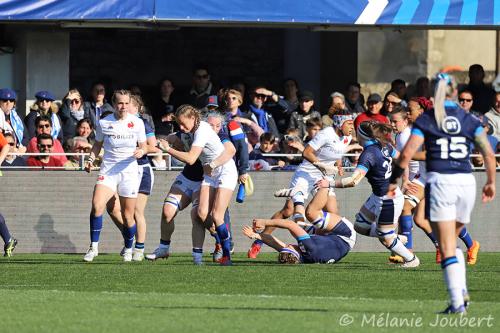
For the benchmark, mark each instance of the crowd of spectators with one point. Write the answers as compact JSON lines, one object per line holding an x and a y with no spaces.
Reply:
{"x":275,"y":122}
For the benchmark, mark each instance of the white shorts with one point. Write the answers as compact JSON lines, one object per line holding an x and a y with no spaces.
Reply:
{"x":186,"y":186}
{"x":126,"y":184}
{"x":224,"y":176}
{"x":382,"y":210}
{"x":449,"y":197}
{"x":304,"y":181}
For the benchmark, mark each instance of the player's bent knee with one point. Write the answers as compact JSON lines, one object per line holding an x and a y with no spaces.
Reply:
{"x":386,"y":236}
{"x":362,"y":226}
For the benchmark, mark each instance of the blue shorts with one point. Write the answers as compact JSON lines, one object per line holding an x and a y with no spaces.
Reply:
{"x":147,"y":179}
{"x":324,"y":249}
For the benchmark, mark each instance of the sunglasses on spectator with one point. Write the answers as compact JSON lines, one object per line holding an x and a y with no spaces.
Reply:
{"x":44,"y":146}
{"x":44,"y":126}
{"x":262,"y":96}
{"x":204,"y":76}
{"x":75,"y":101}
{"x":12,"y":144}
{"x":468,"y":100}
{"x":392,"y":103}
{"x":8,"y":100}
{"x":44,"y":100}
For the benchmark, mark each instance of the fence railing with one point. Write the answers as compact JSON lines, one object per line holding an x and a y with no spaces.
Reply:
{"x":168,"y":167}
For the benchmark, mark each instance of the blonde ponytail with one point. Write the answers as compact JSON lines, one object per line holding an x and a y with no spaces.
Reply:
{"x":439,"y":98}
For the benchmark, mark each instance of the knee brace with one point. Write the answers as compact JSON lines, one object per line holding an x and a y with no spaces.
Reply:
{"x":172,"y":200}
{"x":362,"y":225}
{"x":322,"y":221}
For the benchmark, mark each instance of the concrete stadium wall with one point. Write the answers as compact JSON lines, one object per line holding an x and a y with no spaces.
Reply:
{"x":48,"y":212}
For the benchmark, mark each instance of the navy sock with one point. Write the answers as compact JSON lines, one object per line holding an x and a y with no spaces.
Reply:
{"x":4,"y":231}
{"x":227,"y":221}
{"x":258,"y":242}
{"x":164,"y":242}
{"x":95,"y":228}
{"x":139,"y":245}
{"x":432,"y":238}
{"x":128,"y":235}
{"x":217,"y":238}
{"x":465,"y":237}
{"x":225,"y":238}
{"x":406,"y":222}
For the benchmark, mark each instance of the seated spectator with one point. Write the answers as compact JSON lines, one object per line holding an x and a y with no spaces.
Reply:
{"x":77,"y":145}
{"x":201,"y":88}
{"x":292,"y":144}
{"x":354,"y":101}
{"x":233,"y":100}
{"x":44,"y":126}
{"x":166,"y":103}
{"x":267,"y":146}
{"x":44,"y":106}
{"x":290,"y":91}
{"x":374,"y":104}
{"x":97,"y":105}
{"x":483,"y":94}
{"x":303,"y":113}
{"x":84,"y":128}
{"x":45,"y":145}
{"x":398,"y":86}
{"x":72,"y":111}
{"x":313,"y":126}
{"x":12,"y":160}
{"x":423,"y":87}
{"x":9,"y":119}
{"x":391,"y":100}
{"x":465,"y":100}
{"x":257,"y":108}
{"x":212,"y":104}
{"x":337,"y":104}
{"x":283,"y":108}
{"x":494,"y":116}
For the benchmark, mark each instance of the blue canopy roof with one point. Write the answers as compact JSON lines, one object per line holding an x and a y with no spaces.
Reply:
{"x":426,"y":13}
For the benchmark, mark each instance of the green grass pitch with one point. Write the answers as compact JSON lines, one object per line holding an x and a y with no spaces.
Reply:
{"x":61,"y":293}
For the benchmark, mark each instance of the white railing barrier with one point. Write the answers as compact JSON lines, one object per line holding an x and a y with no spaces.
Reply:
{"x":168,"y":167}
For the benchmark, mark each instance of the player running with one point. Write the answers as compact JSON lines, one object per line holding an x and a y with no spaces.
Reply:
{"x":379,"y":215}
{"x":123,"y":138}
{"x":447,"y":132}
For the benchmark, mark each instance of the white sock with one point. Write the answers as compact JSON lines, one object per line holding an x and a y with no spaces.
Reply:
{"x":453,"y":277}
{"x":197,"y":256}
{"x":95,"y":246}
{"x":401,"y":250}
{"x":463,"y":275}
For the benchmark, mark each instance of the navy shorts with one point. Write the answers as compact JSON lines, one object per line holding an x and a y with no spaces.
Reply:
{"x":147,"y":179}
{"x":324,"y":249}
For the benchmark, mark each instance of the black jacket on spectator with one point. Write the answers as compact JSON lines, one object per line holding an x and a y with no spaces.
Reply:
{"x":298,"y":120}
{"x":281,"y":113}
{"x":92,"y":108}
{"x":69,"y":122}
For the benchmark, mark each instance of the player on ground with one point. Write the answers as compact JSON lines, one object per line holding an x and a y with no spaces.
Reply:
{"x":447,"y":132}
{"x":10,"y":242}
{"x":220,"y":174}
{"x":327,"y":247}
{"x":379,"y":215}
{"x":123,"y":138}
{"x":320,"y":156}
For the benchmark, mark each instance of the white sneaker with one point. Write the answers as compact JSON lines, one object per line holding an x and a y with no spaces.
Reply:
{"x":415,"y":262}
{"x":138,"y":255}
{"x":91,"y":254}
{"x":127,"y":255}
{"x":158,"y":253}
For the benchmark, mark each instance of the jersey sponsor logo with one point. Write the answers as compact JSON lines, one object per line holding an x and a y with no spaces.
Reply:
{"x":121,"y":136}
{"x":130,"y":125}
{"x":451,"y":125}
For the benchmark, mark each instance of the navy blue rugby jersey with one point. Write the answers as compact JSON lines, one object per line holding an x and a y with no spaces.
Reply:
{"x":377,"y":162}
{"x":149,"y":133}
{"x":448,"y":148}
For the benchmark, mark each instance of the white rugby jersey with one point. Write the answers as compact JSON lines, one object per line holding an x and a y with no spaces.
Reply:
{"x":206,"y":138}
{"x":415,"y":167}
{"x":120,"y":139}
{"x":329,"y":148}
